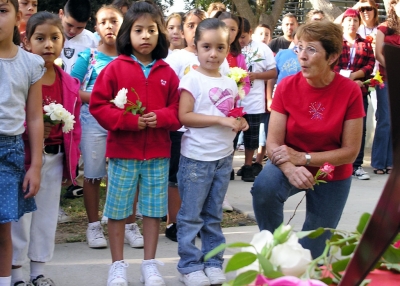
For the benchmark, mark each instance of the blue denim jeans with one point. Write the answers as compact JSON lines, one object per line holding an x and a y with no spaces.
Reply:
{"x":202,"y":187}
{"x":324,"y":205}
{"x":360,"y":157}
{"x":382,"y":153}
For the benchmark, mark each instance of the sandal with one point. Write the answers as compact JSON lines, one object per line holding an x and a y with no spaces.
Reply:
{"x":379,"y":171}
{"x":389,"y":170}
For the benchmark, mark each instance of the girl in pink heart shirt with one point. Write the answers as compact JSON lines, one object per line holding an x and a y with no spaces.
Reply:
{"x":206,"y":154}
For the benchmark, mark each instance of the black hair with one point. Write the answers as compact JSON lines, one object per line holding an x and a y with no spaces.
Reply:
{"x":122,"y":3}
{"x":246,"y":26}
{"x":264,"y":26}
{"x":41,"y":18}
{"x":235,"y":47}
{"x":209,"y":24}
{"x":289,"y":15}
{"x":79,"y":10}
{"x":16,"y":35}
{"x":137,"y":10}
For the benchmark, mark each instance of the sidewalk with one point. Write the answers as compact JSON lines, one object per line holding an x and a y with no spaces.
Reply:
{"x":78,"y":265}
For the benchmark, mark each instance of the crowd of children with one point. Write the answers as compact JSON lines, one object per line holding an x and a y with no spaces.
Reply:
{"x":150,"y":100}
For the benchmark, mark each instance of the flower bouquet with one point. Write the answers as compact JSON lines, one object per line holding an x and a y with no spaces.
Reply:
{"x":239,"y":75}
{"x":121,"y":100}
{"x":55,"y":114}
{"x":375,"y":81}
{"x":279,"y":260}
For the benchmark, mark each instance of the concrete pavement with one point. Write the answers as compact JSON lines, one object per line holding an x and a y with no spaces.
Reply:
{"x":76,"y":264}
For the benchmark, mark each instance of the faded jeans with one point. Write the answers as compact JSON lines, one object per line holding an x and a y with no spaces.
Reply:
{"x":324,"y":205}
{"x":202,"y":187}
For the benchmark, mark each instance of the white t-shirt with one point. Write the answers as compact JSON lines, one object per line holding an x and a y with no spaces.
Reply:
{"x":74,"y":46}
{"x":259,"y":58}
{"x":213,"y":96}
{"x":17,"y":74}
{"x":182,"y":62}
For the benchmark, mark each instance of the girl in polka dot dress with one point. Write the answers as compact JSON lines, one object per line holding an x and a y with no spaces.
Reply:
{"x":20,"y":101}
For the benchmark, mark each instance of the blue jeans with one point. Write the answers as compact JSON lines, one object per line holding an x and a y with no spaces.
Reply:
{"x":382,"y":153}
{"x":324,"y":205}
{"x":202,"y":187}
{"x":360,"y":157}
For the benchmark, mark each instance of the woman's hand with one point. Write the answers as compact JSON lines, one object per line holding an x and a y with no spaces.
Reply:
{"x":299,"y":177}
{"x":283,"y":154}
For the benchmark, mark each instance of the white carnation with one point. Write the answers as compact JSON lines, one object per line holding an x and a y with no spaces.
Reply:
{"x":121,"y":99}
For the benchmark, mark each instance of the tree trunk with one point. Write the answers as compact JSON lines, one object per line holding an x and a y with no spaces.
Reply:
{"x":329,"y":9}
{"x":272,"y":19}
{"x":245,"y":11}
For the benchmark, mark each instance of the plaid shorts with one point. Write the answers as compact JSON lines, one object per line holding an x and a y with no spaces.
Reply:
{"x":251,"y":135}
{"x":124,"y":175}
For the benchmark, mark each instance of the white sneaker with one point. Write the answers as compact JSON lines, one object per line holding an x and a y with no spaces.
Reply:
{"x":133,"y":237}
{"x":63,"y":217}
{"x":95,"y":236}
{"x":104,"y":220}
{"x":117,"y":274}
{"x":196,"y":278}
{"x":138,"y":215}
{"x":216,"y":275}
{"x":240,"y":148}
{"x":226,"y":206}
{"x":150,"y":275}
{"x":361,"y":174}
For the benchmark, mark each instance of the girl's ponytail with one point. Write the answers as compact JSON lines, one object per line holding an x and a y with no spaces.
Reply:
{"x":16,"y":36}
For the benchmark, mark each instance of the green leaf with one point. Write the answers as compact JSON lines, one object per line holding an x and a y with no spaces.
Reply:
{"x":327,"y":280}
{"x":335,"y":237}
{"x":340,"y":265}
{"x":240,"y":260}
{"x":392,"y":255}
{"x":245,"y":278}
{"x":392,"y":266}
{"x":311,"y":233}
{"x":397,"y":238}
{"x":365,"y":282}
{"x":363,"y":222}
{"x":215,"y":251}
{"x":348,"y":249}
{"x":268,"y":268}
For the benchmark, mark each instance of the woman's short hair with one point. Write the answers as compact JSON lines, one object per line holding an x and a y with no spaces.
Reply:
{"x":216,"y":6}
{"x":330,"y":36}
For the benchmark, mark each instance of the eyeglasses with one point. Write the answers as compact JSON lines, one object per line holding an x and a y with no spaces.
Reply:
{"x":366,"y":8}
{"x":309,"y":50}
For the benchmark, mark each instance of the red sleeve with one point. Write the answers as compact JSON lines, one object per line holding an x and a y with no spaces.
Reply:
{"x":109,"y":116}
{"x":167,"y":117}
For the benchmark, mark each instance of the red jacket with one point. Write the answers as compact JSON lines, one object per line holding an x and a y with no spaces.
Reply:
{"x":71,"y":140}
{"x":158,"y":93}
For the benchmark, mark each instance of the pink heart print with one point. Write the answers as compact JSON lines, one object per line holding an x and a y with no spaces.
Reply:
{"x":222,"y":99}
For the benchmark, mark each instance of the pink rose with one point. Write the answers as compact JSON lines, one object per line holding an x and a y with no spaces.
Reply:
{"x":286,"y":281}
{"x":396,"y":244}
{"x":327,"y":168}
{"x":236,"y":112}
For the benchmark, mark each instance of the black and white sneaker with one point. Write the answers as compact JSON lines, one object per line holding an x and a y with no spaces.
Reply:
{"x":73,"y":192}
{"x":171,"y":232}
{"x":360,"y":174}
{"x":42,"y":281}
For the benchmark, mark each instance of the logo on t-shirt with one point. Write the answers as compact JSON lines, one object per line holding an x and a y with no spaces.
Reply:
{"x":316,"y":110}
{"x":69,"y":52}
{"x":222,"y":99}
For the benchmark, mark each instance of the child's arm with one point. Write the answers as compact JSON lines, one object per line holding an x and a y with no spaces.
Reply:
{"x":192,"y":119}
{"x":34,"y":122}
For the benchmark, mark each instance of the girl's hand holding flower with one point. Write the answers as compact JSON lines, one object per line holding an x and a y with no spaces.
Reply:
{"x":150,"y":119}
{"x":141,"y":123}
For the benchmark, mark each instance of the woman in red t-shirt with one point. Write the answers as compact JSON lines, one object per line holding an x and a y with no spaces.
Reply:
{"x":316,"y":117}
{"x":388,"y":33}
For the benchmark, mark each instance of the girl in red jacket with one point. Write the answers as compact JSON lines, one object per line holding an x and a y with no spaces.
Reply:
{"x":135,"y":98}
{"x":33,"y":236}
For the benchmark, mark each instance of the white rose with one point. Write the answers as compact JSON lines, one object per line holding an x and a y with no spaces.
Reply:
{"x":49,"y":108}
{"x":292,"y":258}
{"x":68,"y":124}
{"x":120,"y":100}
{"x":259,"y":240}
{"x":58,"y":113}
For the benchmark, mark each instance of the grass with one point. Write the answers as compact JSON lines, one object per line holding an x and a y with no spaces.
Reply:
{"x":75,"y":231}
